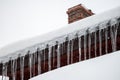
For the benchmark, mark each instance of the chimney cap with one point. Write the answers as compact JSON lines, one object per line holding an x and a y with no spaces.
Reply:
{"x":74,"y":8}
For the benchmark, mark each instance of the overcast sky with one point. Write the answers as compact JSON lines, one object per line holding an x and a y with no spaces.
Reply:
{"x":21,"y":19}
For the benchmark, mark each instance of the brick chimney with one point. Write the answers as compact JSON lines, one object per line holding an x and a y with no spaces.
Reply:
{"x":78,"y":12}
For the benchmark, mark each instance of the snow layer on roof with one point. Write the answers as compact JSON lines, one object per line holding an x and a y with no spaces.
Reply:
{"x":79,"y":25}
{"x":106,"y":67}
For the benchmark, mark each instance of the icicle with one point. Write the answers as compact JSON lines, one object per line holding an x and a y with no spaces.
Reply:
{"x":113,"y":39}
{"x":49,"y":57}
{"x":62,"y":48}
{"x":71,"y":50}
{"x":100,"y":42}
{"x":106,"y":39}
{"x":89,"y":45}
{"x":85,"y":44}
{"x":34,"y":60}
{"x":53,"y":55}
{"x":95,"y":42}
{"x":68,"y":51}
{"x":113,"y":34}
{"x":4,"y":71}
{"x":22,"y":67}
{"x":30,"y":64}
{"x":39,"y":62}
{"x":58,"y":54}
{"x":89,"y":42}
{"x":44,"y":53}
{"x":13,"y":68}
{"x":79,"y":39}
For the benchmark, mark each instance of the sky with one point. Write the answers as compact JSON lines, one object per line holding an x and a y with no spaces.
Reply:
{"x":23,"y":19}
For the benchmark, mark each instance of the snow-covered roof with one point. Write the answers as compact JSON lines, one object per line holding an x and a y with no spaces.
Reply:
{"x":100,"y":68}
{"x":81,"y":26}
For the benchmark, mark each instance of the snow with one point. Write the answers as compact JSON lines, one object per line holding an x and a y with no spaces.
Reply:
{"x":81,"y":25}
{"x":4,"y":78}
{"x":106,"y":67}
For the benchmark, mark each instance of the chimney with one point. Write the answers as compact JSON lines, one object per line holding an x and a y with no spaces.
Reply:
{"x":78,"y":12}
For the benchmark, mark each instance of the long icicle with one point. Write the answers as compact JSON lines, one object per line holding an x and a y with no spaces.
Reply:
{"x":113,"y":31}
{"x":4,"y":71}
{"x":112,"y":40}
{"x":22,"y":67}
{"x":116,"y":30}
{"x":89,"y":45}
{"x":85,"y":36}
{"x":89,"y":42}
{"x":44,"y":53}
{"x":100,"y":42}
{"x":62,"y":48}
{"x":68,"y":51}
{"x":34,"y":60}
{"x":106,"y":39}
{"x":79,"y":39}
{"x":53,"y":55}
{"x":30,"y":64}
{"x":95,"y":42}
{"x":13,"y":68}
{"x":49,"y":57}
{"x":71,"y":50}
{"x":6,"y":65}
{"x":58,"y":55}
{"x":39,"y":61}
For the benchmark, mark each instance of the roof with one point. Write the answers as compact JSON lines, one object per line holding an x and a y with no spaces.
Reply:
{"x":81,"y":25}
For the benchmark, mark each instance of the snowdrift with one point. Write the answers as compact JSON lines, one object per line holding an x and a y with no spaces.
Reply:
{"x":106,"y":67}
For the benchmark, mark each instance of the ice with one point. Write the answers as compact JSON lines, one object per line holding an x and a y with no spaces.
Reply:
{"x":53,"y":55}
{"x":22,"y":67}
{"x":13,"y":69}
{"x":49,"y":57}
{"x":100,"y":43}
{"x":34,"y":60}
{"x":30,"y":64}
{"x":95,"y":43}
{"x":44,"y":55}
{"x":58,"y":54}
{"x":71,"y":50}
{"x":113,"y":34}
{"x":68,"y":51}
{"x":85,"y":44}
{"x":89,"y":45}
{"x":4,"y":71}
{"x":79,"y":42}
{"x":106,"y":40}
{"x":39,"y":61}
